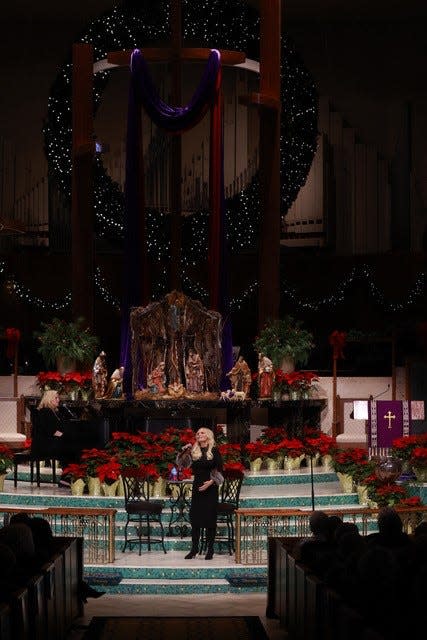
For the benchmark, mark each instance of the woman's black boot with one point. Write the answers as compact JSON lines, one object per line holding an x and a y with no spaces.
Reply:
{"x":195,"y":537}
{"x":210,"y":537}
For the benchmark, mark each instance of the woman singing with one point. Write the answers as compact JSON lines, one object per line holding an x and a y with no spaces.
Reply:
{"x":204,"y":458}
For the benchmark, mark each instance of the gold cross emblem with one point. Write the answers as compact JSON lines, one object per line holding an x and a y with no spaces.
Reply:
{"x":389,"y":416}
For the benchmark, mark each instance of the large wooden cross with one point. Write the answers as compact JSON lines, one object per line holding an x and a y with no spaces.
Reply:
{"x":83,"y":149}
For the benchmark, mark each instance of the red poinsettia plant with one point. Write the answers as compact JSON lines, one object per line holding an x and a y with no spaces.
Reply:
{"x":93,"y":458}
{"x":419,"y":457}
{"x":387,"y":494}
{"x":230,"y":452}
{"x":233,"y":469}
{"x":6,"y":458}
{"x":109,"y":472}
{"x":254,"y":450}
{"x":413,"y":501}
{"x":272,"y":435}
{"x":72,"y":380}
{"x":144,"y":471}
{"x":50,"y":380}
{"x":402,"y":447}
{"x":291,"y":447}
{"x":316,"y":441}
{"x":348,"y":460}
{"x":300,"y":380}
{"x":75,"y":471}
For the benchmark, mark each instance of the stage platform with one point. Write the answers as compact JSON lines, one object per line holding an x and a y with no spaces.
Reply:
{"x":157,"y":572}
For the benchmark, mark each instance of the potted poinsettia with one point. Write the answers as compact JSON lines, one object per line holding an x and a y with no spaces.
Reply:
{"x":93,"y":458}
{"x":109,"y":473}
{"x":6,"y":462}
{"x":318,"y":444}
{"x":292,"y":450}
{"x":234,"y":469}
{"x":419,"y":463}
{"x":388,"y":494}
{"x":77,"y":474}
{"x":254,"y":452}
{"x":345,"y":463}
{"x":50,"y":380}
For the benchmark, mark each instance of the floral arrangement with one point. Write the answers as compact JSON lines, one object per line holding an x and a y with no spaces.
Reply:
{"x":92,"y":459}
{"x":272,"y":450}
{"x":109,"y":472}
{"x":72,"y":380}
{"x":6,"y":458}
{"x":144,"y":471}
{"x":50,"y":380}
{"x":387,"y":495}
{"x":348,"y":460}
{"x":419,"y":457}
{"x":230,"y":452}
{"x":300,"y":380}
{"x":254,"y":450}
{"x":234,"y":469}
{"x":75,"y":471}
{"x":413,"y":501}
{"x":402,"y":447}
{"x":272,"y":435}
{"x":71,"y":341}
{"x":316,"y":441}
{"x":219,"y":433}
{"x":291,"y":447}
{"x":364,"y":471}
{"x":285,"y":338}
{"x":68,"y":381}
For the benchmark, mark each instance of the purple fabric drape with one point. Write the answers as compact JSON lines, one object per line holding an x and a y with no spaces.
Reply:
{"x":174,"y":119}
{"x":135,"y":262}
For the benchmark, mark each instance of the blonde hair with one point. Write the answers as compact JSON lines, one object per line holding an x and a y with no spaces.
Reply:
{"x":196,"y":451}
{"x":48,"y":400}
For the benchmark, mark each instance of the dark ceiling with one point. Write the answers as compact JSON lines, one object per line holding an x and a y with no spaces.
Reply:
{"x":79,"y":10}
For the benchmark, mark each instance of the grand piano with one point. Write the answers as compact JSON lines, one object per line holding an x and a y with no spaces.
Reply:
{"x":83,"y":427}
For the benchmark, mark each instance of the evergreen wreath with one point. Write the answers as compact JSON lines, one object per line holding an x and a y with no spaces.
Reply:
{"x":227,"y":24}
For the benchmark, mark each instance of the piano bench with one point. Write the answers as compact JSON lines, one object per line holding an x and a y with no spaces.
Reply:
{"x":25,"y":456}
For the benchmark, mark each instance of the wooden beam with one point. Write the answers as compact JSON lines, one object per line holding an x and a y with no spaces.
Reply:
{"x":269,"y":162}
{"x":82,"y":211}
{"x":228,"y":58}
{"x":175,"y":170}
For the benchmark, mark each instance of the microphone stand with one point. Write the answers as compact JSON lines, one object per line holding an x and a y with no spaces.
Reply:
{"x":312,"y":482}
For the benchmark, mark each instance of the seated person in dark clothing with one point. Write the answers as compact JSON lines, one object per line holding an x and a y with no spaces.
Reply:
{"x":19,"y":538}
{"x":47,"y":433}
{"x":314,"y":552}
{"x":8,"y":582}
{"x":42,"y":535}
{"x":390,"y":530}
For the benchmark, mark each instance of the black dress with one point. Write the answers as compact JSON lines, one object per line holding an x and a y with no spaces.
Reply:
{"x":204,"y":504}
{"x":43,"y":441}
{"x":45,"y":423}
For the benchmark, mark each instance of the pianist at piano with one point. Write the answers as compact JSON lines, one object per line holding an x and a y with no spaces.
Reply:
{"x":59,"y":432}
{"x":47,"y":429}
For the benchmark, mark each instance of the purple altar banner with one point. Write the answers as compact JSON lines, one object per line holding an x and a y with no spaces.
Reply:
{"x":388,"y":420}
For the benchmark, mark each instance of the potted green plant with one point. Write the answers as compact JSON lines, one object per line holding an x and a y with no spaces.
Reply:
{"x":285,"y":339}
{"x":67,"y":345}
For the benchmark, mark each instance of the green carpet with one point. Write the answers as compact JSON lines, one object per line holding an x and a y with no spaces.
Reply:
{"x":247,"y":580}
{"x":200,"y":628}
{"x":101,"y":578}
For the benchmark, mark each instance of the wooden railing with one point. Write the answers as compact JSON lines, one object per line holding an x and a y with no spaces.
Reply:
{"x":95,"y":526}
{"x":255,"y":526}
